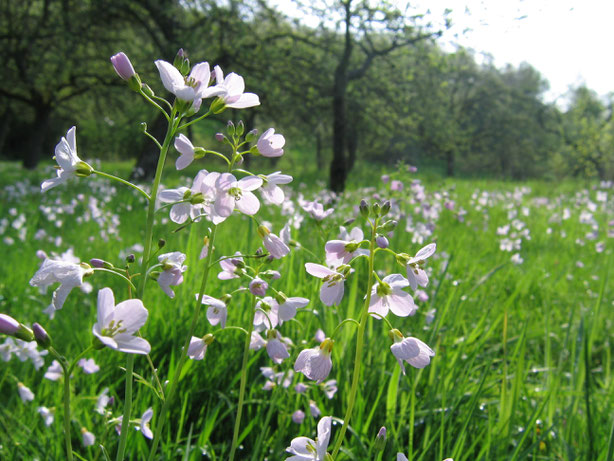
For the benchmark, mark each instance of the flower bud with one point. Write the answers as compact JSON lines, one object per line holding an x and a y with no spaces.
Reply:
{"x":97,"y":263}
{"x":8,"y":325}
{"x":130,"y":258}
{"x":385,"y":207}
{"x":161,"y":243}
{"x":388,"y":226}
{"x":146,"y":89}
{"x":380,"y":440}
{"x":240,"y":128}
{"x":230,"y":128}
{"x":364,"y":208}
{"x":41,"y":336}
{"x":182,"y":62}
{"x":219,"y":137}
{"x":349,"y":221}
{"x":381,"y":241}
{"x":123,"y":66}
{"x":251,"y":135}
{"x":376,"y":209}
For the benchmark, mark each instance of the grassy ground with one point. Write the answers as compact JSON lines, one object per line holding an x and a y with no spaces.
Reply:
{"x":523,"y":365}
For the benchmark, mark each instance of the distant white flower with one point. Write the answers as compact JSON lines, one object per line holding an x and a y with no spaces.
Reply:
{"x":87,"y":437}
{"x":415,"y":274}
{"x":330,"y":388}
{"x":305,"y":449}
{"x":298,"y":417}
{"x":54,"y":372}
{"x":102,"y":401}
{"x":316,"y":210}
{"x":68,"y":161}
{"x":69,"y":275}
{"x":46,"y":414}
{"x":117,"y":325}
{"x":313,"y":409}
{"x":25,"y":393}
{"x":89,"y":366}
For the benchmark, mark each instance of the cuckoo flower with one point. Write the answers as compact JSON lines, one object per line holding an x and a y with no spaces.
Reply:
{"x":173,"y":269}
{"x":69,"y":163}
{"x":276,"y":246}
{"x":123,"y":66}
{"x":232,"y":193}
{"x":25,"y":393}
{"x":270,"y":144}
{"x":389,"y":295}
{"x":231,"y":90}
{"x":342,"y":251}
{"x":271,"y":191}
{"x":231,"y":268}
{"x":332,"y":282}
{"x":186,"y":149}
{"x":217,"y":310}
{"x":117,"y":325}
{"x":411,"y":350}
{"x":192,"y":88}
{"x":287,"y":307}
{"x":195,"y":201}
{"x":144,"y":426}
{"x":275,"y":347}
{"x":415,"y":274}
{"x":198,"y":346}
{"x":315,"y":363}
{"x":68,"y":274}
{"x":305,"y":449}
{"x":316,"y":210}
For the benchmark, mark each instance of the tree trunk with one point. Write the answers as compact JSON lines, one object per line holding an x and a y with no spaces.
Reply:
{"x":352,"y":146}
{"x":319,"y":160}
{"x":36,"y":140}
{"x":338,"y":171}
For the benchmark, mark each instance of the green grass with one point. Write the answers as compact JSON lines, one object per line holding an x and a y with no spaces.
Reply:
{"x":523,"y":352}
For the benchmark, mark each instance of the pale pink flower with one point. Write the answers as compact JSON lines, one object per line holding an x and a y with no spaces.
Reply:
{"x":332,"y":288}
{"x":271,"y":318}
{"x":102,"y":401}
{"x":270,"y":144}
{"x":54,"y":372}
{"x":287,"y":309}
{"x":411,"y":350}
{"x":415,"y":274}
{"x":144,"y":426}
{"x":315,"y":363}
{"x":342,"y":251}
{"x":330,"y":388}
{"x":186,"y":149}
{"x":232,"y":193}
{"x":313,"y":409}
{"x":68,"y":274}
{"x":275,"y":347}
{"x":298,"y":417}
{"x":276,"y":246}
{"x":68,"y":161}
{"x":316,"y":210}
{"x":258,"y":287}
{"x":46,"y":414}
{"x":198,"y":346}
{"x":193,"y":202}
{"x":117,"y":325}
{"x":270,"y":189}
{"x":87,"y":437}
{"x":305,"y":449}
{"x":217,"y":311}
{"x":231,"y":268}
{"x":192,"y":88}
{"x":231,"y":90}
{"x":173,"y":269}
{"x":389,"y":295}
{"x":256,"y":341}
{"x":89,"y":366}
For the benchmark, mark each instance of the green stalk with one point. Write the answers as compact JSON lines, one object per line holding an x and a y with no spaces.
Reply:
{"x":235,"y":435}
{"x":123,"y":181}
{"x":146,"y":252}
{"x":184,"y":351}
{"x":359,"y":345}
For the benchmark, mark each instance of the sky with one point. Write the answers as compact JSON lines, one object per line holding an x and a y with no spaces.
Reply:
{"x":568,"y":42}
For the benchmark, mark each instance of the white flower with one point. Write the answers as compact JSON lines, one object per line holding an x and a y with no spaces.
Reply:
{"x":411,"y":350}
{"x":389,"y":295}
{"x":276,"y":246}
{"x":68,"y":274}
{"x":305,"y":449}
{"x":232,"y":193}
{"x":217,"y":311}
{"x":144,"y":427}
{"x":89,"y":366}
{"x":117,"y":324}
{"x":68,"y":161}
{"x":315,"y":363}
{"x":102,"y":401}
{"x":287,"y":310}
{"x":191,"y":88}
{"x":342,"y":251}
{"x":25,"y":393}
{"x":276,"y":349}
{"x":316,"y":210}
{"x":186,"y":149}
{"x":198,"y":346}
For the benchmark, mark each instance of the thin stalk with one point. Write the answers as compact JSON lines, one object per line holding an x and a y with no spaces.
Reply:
{"x":359,"y":346}
{"x":184,"y":352}
{"x":146,"y":252}
{"x":123,"y":181}
{"x":235,"y":435}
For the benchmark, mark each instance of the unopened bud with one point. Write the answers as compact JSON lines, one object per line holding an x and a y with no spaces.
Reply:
{"x":376,"y":209}
{"x":219,"y":137}
{"x":381,"y":241}
{"x":230,"y":128}
{"x":364,"y":208}
{"x":385,"y":208}
{"x":251,"y":135}
{"x":240,"y":128}
{"x":130,"y":258}
{"x":182,"y":62}
{"x":349,"y":221}
{"x":123,"y":66}
{"x":161,"y":243}
{"x":8,"y":325}
{"x":147,"y":90}
{"x":97,"y":263}
{"x":41,"y":336}
{"x":217,"y":106}
{"x":380,"y":440}
{"x":388,"y":226}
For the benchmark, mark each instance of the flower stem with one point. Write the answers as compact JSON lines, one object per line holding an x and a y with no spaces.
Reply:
{"x":172,"y":126}
{"x":123,"y":181}
{"x":364,"y":316}
{"x":235,"y":435}
{"x":184,"y":352}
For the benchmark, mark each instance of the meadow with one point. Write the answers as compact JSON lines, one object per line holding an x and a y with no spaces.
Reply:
{"x":518,"y":312}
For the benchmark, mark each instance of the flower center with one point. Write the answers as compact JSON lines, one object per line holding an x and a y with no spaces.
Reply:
{"x":113,"y":329}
